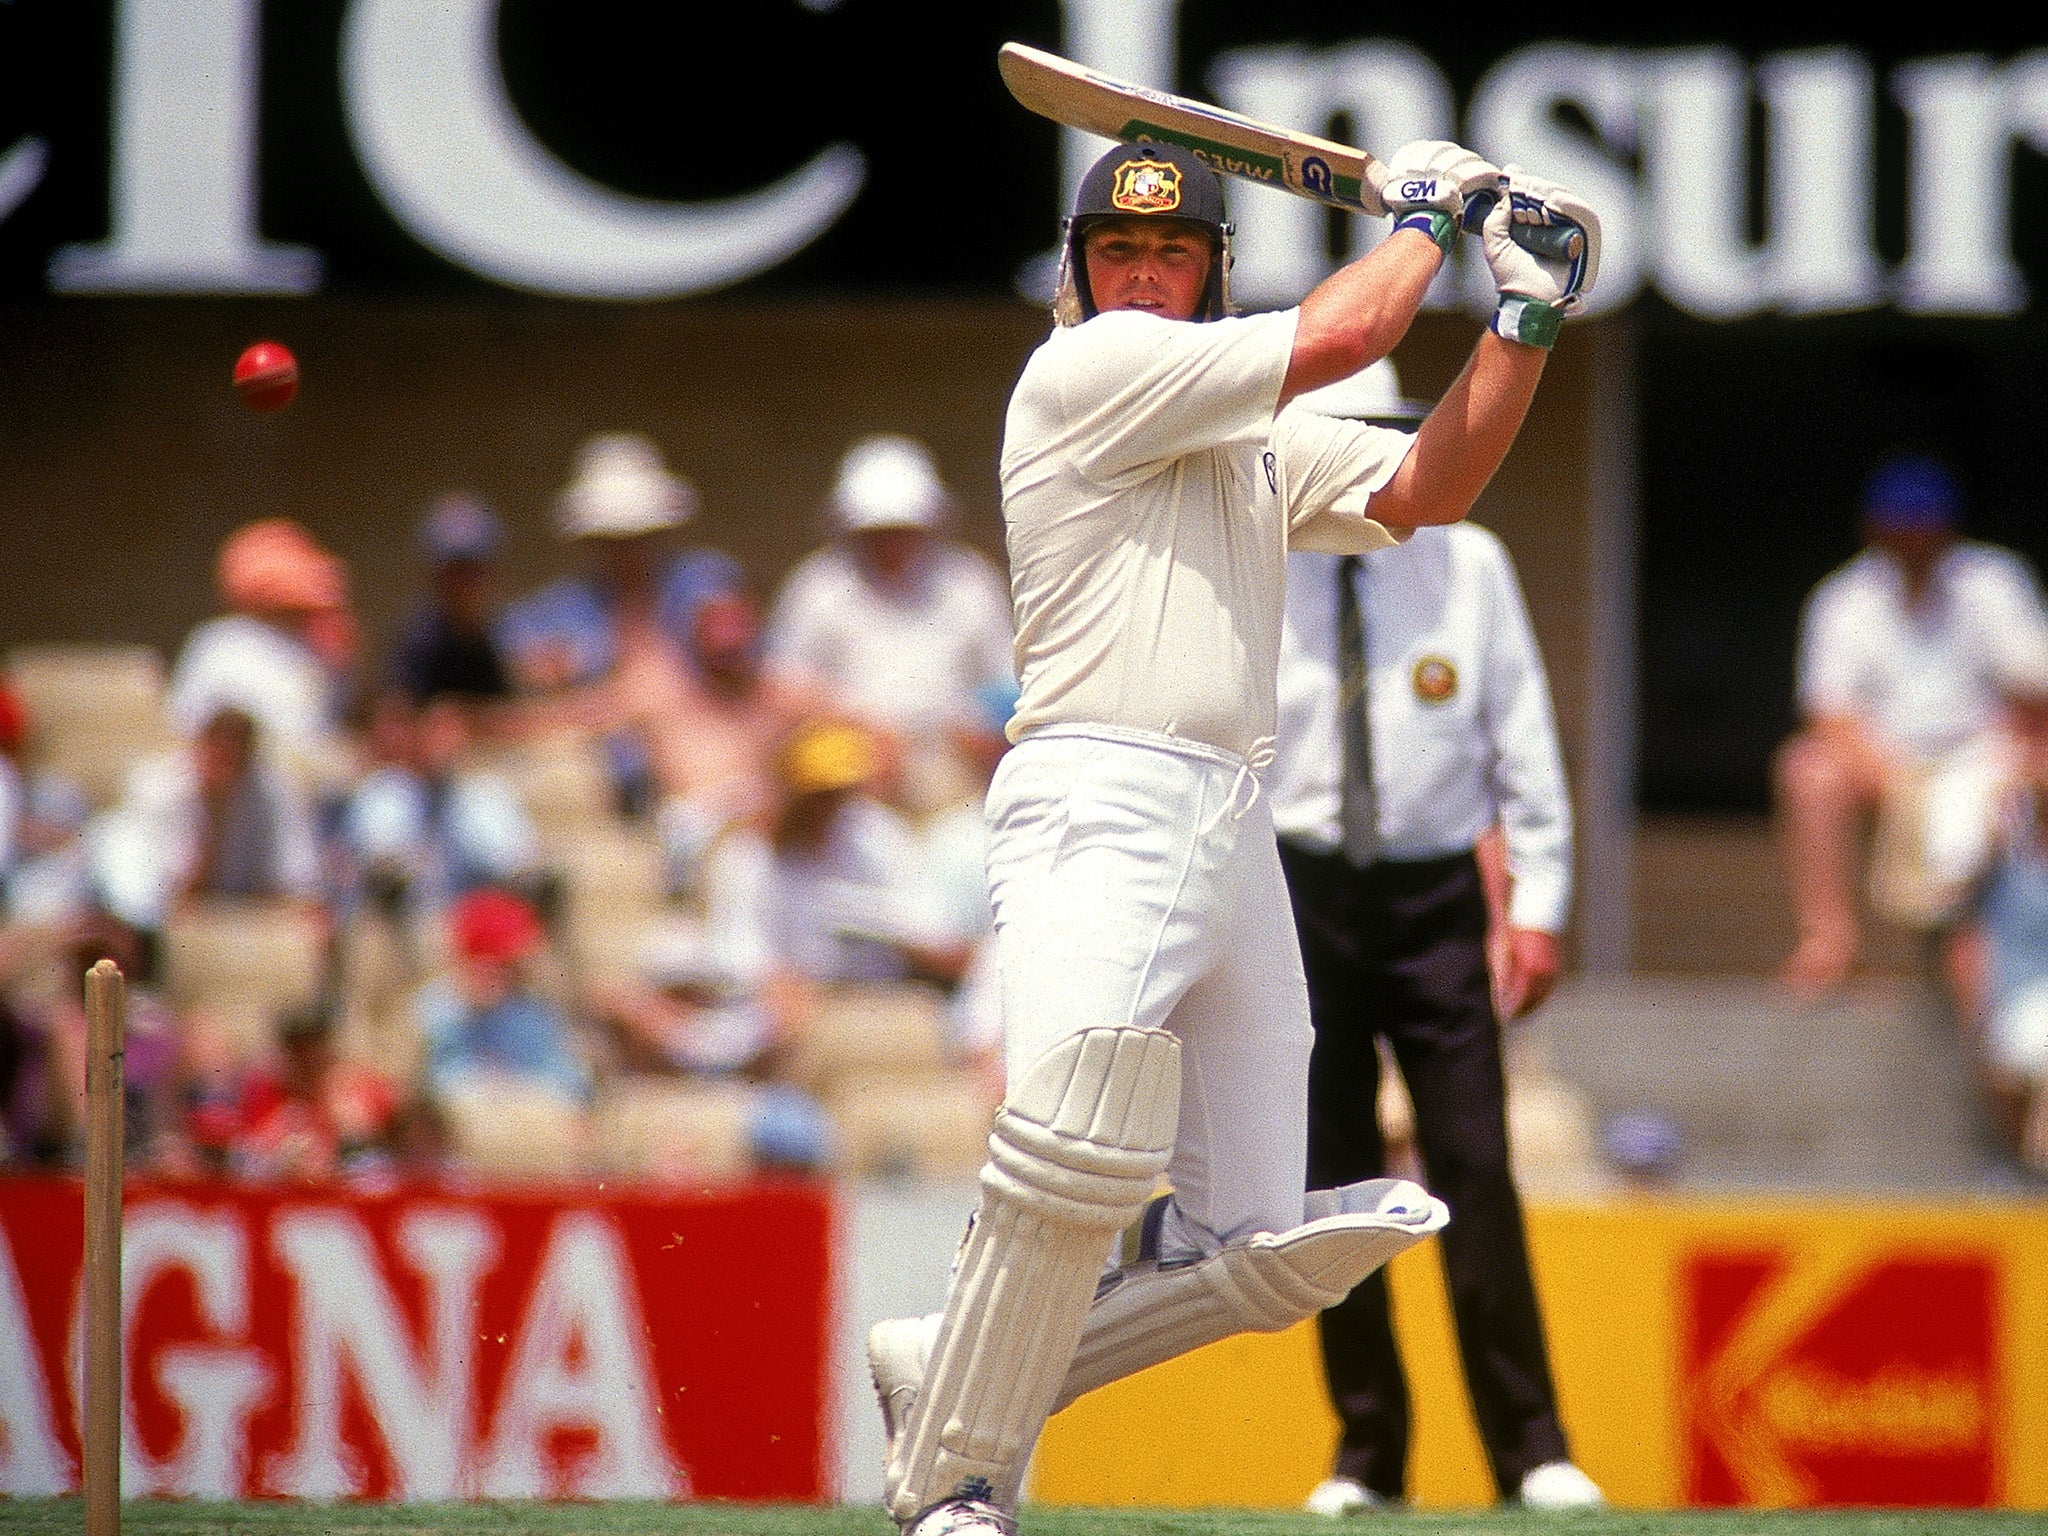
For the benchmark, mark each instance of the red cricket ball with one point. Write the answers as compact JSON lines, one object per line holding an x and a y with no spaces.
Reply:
{"x":267,"y":376}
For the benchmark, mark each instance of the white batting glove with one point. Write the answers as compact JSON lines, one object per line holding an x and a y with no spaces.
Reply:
{"x":1539,"y":288}
{"x":1428,"y":184}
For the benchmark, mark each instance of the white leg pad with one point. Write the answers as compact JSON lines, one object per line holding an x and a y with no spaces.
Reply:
{"x":1076,"y":1152}
{"x":1269,"y":1281}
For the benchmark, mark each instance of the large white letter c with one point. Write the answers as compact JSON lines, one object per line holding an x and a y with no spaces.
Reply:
{"x":436,"y":133}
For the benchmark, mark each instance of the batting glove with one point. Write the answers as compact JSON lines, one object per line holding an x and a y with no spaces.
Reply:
{"x":1538,"y":288}
{"x":1429,"y":184}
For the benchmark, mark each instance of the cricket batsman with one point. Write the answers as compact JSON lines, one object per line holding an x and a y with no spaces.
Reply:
{"x":1155,"y":1015}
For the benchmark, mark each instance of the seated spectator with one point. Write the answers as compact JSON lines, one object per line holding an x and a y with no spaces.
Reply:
{"x":482,"y":1022}
{"x":447,"y":646}
{"x":955,"y":861}
{"x":44,"y":878}
{"x":428,"y":824}
{"x":898,"y":624}
{"x":212,"y":819}
{"x":1998,"y":960}
{"x":601,"y":632}
{"x":304,"y":1113}
{"x":153,"y":1051}
{"x":1897,"y":666}
{"x":832,"y":893}
{"x":714,"y":737}
{"x":280,"y":654}
{"x":687,"y":1015}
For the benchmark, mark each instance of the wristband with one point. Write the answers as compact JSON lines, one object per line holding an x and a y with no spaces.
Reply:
{"x":1433,"y":222}
{"x":1529,"y":321}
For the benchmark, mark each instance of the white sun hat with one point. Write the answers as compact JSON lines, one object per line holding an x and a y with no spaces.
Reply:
{"x":889,"y":481}
{"x":621,"y":488}
{"x":1372,"y":394}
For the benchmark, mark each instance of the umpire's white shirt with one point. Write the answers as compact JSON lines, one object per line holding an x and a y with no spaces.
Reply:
{"x":1150,"y":495}
{"x":1462,"y":729}
{"x":1925,"y":677}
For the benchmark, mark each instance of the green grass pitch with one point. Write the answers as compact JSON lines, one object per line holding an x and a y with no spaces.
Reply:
{"x":35,"y":1517}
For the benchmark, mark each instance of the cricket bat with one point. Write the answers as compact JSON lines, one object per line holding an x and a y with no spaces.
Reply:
{"x":1301,"y":163}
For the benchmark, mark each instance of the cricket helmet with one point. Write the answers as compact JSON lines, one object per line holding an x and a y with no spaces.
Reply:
{"x":1144,"y":180}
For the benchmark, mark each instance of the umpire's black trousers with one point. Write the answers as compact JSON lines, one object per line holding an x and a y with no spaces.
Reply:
{"x":1398,"y":949}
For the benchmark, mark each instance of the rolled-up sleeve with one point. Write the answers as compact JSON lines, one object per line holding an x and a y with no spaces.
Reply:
{"x":1332,"y":469}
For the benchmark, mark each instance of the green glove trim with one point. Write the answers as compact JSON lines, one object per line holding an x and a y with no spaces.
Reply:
{"x":1433,"y":222}
{"x":1525,"y":320}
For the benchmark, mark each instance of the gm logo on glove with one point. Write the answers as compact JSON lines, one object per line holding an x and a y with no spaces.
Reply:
{"x":1420,"y":189}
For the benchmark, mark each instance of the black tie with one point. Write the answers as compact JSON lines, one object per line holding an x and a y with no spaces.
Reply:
{"x":1359,"y":811}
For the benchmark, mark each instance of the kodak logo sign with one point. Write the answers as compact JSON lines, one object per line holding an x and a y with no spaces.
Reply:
{"x":1845,"y":1377}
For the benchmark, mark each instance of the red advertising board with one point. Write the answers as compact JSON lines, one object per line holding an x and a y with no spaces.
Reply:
{"x":425,"y":1342}
{"x":1812,"y":1382}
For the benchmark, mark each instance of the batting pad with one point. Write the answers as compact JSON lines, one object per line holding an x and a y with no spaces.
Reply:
{"x":1076,"y":1152}
{"x":1267,"y":1282}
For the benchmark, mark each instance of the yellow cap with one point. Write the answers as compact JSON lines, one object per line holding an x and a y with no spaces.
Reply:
{"x":827,"y":755}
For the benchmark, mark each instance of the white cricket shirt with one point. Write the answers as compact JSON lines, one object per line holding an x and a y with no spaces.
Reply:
{"x":1462,"y":729}
{"x":908,"y":657}
{"x":1150,"y":495}
{"x":1924,"y":677}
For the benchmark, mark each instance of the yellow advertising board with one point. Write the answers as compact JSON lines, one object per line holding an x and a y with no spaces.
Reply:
{"x":1765,"y":1353}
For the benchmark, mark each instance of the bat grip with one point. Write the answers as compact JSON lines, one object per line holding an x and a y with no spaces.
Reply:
{"x":1553,"y":242}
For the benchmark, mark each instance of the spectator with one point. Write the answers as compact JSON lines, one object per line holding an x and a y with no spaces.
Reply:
{"x":1896,"y":678}
{"x":687,"y":1015}
{"x":153,"y":1050}
{"x":13,"y":776}
{"x":832,"y":893}
{"x":954,"y":858}
{"x":281,"y":652}
{"x":482,"y":1022}
{"x":1998,"y":959}
{"x":899,"y":624}
{"x":43,"y":872}
{"x":714,"y":739}
{"x":601,"y":631}
{"x":427,"y":824}
{"x":447,"y":647}
{"x":212,"y":819}
{"x":303,"y":1114}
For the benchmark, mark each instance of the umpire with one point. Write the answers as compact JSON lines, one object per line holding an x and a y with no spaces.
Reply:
{"x":1414,"y":717}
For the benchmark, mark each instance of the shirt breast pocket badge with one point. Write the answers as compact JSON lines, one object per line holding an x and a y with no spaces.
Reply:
{"x":1434,"y":679}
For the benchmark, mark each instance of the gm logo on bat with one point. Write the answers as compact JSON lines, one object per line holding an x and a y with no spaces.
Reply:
{"x":1315,"y":175}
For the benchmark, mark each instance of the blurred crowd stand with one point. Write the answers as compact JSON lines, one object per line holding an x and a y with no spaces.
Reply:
{"x":602,"y":881}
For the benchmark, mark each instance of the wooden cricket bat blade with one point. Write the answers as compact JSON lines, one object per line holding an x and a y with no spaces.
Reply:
{"x":1294,"y":162}
{"x":1300,"y":163}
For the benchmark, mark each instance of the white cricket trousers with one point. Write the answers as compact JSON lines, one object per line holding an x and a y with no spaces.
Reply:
{"x":1135,"y":880}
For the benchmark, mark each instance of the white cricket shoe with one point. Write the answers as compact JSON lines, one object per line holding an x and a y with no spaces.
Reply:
{"x":1337,"y":1497}
{"x":962,"y":1517}
{"x":1558,"y":1485}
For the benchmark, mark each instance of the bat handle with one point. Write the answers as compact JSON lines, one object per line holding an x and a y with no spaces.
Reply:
{"x":1553,"y":242}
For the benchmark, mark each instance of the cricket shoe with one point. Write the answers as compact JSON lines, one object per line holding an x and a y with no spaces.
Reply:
{"x":1337,"y":1497}
{"x":898,"y":1348}
{"x":962,"y":1517}
{"x":1558,"y":1485}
